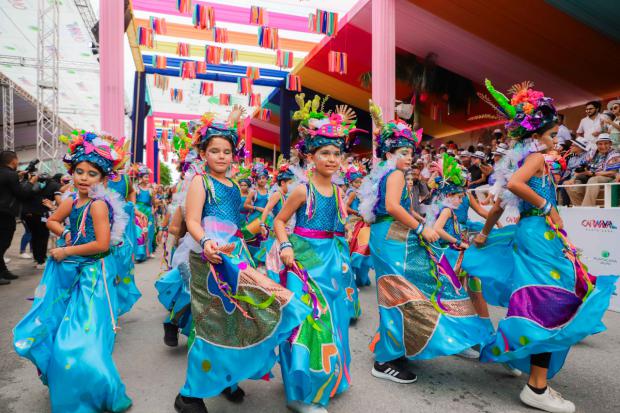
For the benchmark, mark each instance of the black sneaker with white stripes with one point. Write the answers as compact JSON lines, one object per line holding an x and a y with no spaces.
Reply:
{"x":395,"y":370}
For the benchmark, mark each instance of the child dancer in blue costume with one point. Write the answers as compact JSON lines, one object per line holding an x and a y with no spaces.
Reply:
{"x":424,"y":312}
{"x":144,"y":205}
{"x":240,"y":316}
{"x":126,"y":289}
{"x":245,"y":183}
{"x":315,"y":361}
{"x":69,"y":332}
{"x":554,"y":302}
{"x":284,"y":176}
{"x":358,"y":232}
{"x":256,"y":202}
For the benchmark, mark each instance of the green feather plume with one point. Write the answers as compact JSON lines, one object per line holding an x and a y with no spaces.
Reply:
{"x":452,"y":172}
{"x":501,"y":99}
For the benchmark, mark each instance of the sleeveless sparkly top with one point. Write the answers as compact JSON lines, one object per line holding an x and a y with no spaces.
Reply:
{"x":121,"y":185}
{"x":278,"y":206}
{"x":261,"y":200}
{"x":380,"y":210}
{"x":355,"y":204}
{"x":226,"y":204}
{"x":242,"y":208}
{"x":543,"y":186}
{"x":325,"y":216}
{"x":462,"y":210}
{"x":76,"y":217}
{"x":143,"y":197}
{"x":449,"y":226}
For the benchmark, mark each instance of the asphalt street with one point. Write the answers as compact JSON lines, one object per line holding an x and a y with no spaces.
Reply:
{"x":153,"y":372}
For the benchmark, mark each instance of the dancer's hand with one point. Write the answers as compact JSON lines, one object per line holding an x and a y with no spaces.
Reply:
{"x":430,"y":235}
{"x":556,"y":219}
{"x":264,"y":232}
{"x":211,"y":252}
{"x":58,"y":254}
{"x":287,"y":256}
{"x":463,"y":245}
{"x":480,"y":240}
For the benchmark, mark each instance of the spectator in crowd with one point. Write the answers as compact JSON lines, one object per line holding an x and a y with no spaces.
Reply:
{"x":418,"y":190}
{"x":590,"y":126}
{"x":602,"y":168}
{"x":476,"y":175}
{"x":614,"y":127}
{"x":465,"y":158}
{"x":577,"y":159}
{"x":35,"y":212}
{"x":442,"y":149}
{"x":26,"y":240}
{"x":564,"y":134}
{"x":498,"y":136}
{"x":11,"y":192}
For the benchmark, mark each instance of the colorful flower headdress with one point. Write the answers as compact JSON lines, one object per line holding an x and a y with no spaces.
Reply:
{"x":284,"y":173}
{"x":260,"y":169}
{"x":527,"y":111}
{"x":354,"y":172}
{"x":209,"y":126}
{"x":106,"y":152}
{"x":451,"y":177}
{"x":319,"y":128}
{"x":393,"y":134}
{"x":243,"y":175}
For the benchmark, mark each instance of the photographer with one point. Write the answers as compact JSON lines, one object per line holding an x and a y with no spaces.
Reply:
{"x":12,"y":191}
{"x":35,"y":212}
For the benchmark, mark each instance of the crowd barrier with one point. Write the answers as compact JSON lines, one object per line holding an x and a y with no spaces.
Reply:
{"x":595,"y":231}
{"x":611,"y":192}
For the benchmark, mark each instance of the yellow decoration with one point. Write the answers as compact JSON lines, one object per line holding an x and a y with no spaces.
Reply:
{"x":549,"y":235}
{"x":206,"y":366}
{"x":555,"y":274}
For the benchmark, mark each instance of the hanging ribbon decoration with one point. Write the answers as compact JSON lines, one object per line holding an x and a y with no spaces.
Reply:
{"x":213,"y":55}
{"x":203,"y":17}
{"x":159,"y":62}
{"x":265,"y":114}
{"x":165,"y":143}
{"x":323,"y":22}
{"x":206,"y":88}
{"x":224,"y":98}
{"x":258,"y":16}
{"x":176,"y":95}
{"x":187,"y":70}
{"x":252,"y":72}
{"x":145,"y":37}
{"x":244,"y":85}
{"x":158,"y":25}
{"x":284,"y":59}
{"x":230,"y":55}
{"x":268,"y":37}
{"x":293,"y":83}
{"x":254,"y":100}
{"x":184,"y":6}
{"x":337,"y":62}
{"x":183,"y":49}
{"x":161,"y":82}
{"x":201,"y":67}
{"x":220,"y":35}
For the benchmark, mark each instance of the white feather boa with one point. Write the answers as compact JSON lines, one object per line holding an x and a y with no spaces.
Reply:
{"x":369,"y":190}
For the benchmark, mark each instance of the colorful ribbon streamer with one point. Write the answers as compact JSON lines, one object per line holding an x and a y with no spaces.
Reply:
{"x":159,"y":62}
{"x":337,"y":62}
{"x":183,"y":49}
{"x":201,"y":67}
{"x":244,"y":85}
{"x":184,"y":6}
{"x":187,"y":70}
{"x":254,"y":99}
{"x":158,"y":25}
{"x":220,"y":35}
{"x":145,"y":37}
{"x":203,"y":17}
{"x":258,"y":16}
{"x":284,"y":59}
{"x":206,"y":88}
{"x":268,"y":37}
{"x":224,"y":98}
{"x":213,"y":55}
{"x":230,"y":55}
{"x":252,"y":72}
{"x":176,"y":95}
{"x":293,"y":82}
{"x":161,"y":82}
{"x":265,"y":114}
{"x":324,"y":22}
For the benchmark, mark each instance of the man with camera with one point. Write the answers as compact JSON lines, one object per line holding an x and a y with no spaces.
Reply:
{"x":12,"y":191}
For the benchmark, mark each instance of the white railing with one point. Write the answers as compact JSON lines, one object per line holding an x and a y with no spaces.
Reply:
{"x":606,"y":191}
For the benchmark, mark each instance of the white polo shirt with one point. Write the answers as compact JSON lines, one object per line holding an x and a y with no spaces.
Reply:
{"x":587,"y":126}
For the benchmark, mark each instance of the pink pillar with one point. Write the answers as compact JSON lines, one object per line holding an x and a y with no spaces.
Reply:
{"x":111,"y":87}
{"x":384,"y":56}
{"x":248,"y":140}
{"x":150,"y":135}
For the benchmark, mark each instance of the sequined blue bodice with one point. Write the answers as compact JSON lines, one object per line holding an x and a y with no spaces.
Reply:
{"x":355,"y":204}
{"x":543,"y":186}
{"x":261,"y":200}
{"x":143,"y":197}
{"x":242,"y":208}
{"x":121,"y":185}
{"x":227,"y":204}
{"x":449,"y":227}
{"x":462,"y":211}
{"x":325,"y":216}
{"x":380,"y":208}
{"x":278,"y":207}
{"x":75,"y":217}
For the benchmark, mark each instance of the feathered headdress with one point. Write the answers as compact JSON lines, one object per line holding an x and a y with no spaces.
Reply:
{"x":181,"y":142}
{"x":319,"y":128}
{"x":243,"y":175}
{"x":451,"y":177}
{"x":108,"y":153}
{"x":209,"y":126}
{"x":260,"y":169}
{"x":393,"y":134}
{"x":527,"y":111}
{"x":284,"y":173}
{"x":353,"y":172}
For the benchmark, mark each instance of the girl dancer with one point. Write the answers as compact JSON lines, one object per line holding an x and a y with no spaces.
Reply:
{"x":315,"y":361}
{"x":554,"y":302}
{"x":256,"y":202}
{"x":245,"y":183}
{"x":424,"y":311}
{"x":240,"y":315}
{"x":357,"y":230}
{"x":69,"y":331}
{"x":144,"y":205}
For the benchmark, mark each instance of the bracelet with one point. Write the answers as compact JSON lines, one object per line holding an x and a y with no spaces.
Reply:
{"x":263,"y":225}
{"x":546,"y":208}
{"x":285,"y":245}
{"x":65,"y":232}
{"x":483,"y":234}
{"x":419,"y":229}
{"x":203,"y":241}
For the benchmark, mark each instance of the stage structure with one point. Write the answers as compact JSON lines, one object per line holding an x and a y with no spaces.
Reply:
{"x":8,"y":121}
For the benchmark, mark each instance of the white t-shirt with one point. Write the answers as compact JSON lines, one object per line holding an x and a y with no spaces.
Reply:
{"x":587,"y":126}
{"x":563,"y":134}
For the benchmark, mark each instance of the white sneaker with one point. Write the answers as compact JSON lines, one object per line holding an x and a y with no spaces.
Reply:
{"x":469,"y":353}
{"x":512,"y":371}
{"x":25,"y":256}
{"x":549,"y":401}
{"x":7,"y":260}
{"x":300,"y":407}
{"x":39,"y":266}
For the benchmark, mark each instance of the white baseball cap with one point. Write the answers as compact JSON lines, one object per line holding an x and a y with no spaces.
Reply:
{"x":498,"y":132}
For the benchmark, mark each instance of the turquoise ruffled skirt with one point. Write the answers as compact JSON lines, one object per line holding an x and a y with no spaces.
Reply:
{"x":126,"y":289}
{"x":173,"y":293}
{"x":423,"y":314}
{"x":361,"y":261}
{"x":145,"y":235}
{"x":68,"y":334}
{"x":352,"y":299}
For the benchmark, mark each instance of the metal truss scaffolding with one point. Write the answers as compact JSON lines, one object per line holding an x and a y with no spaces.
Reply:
{"x":8,"y":120}
{"x":47,"y":85}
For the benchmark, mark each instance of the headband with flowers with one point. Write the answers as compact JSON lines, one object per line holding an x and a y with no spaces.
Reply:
{"x":318,"y":128}
{"x":104,"y":151}
{"x":209,"y":127}
{"x":353,"y":172}
{"x":393,"y":134}
{"x":260,"y":169}
{"x":284,"y":173}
